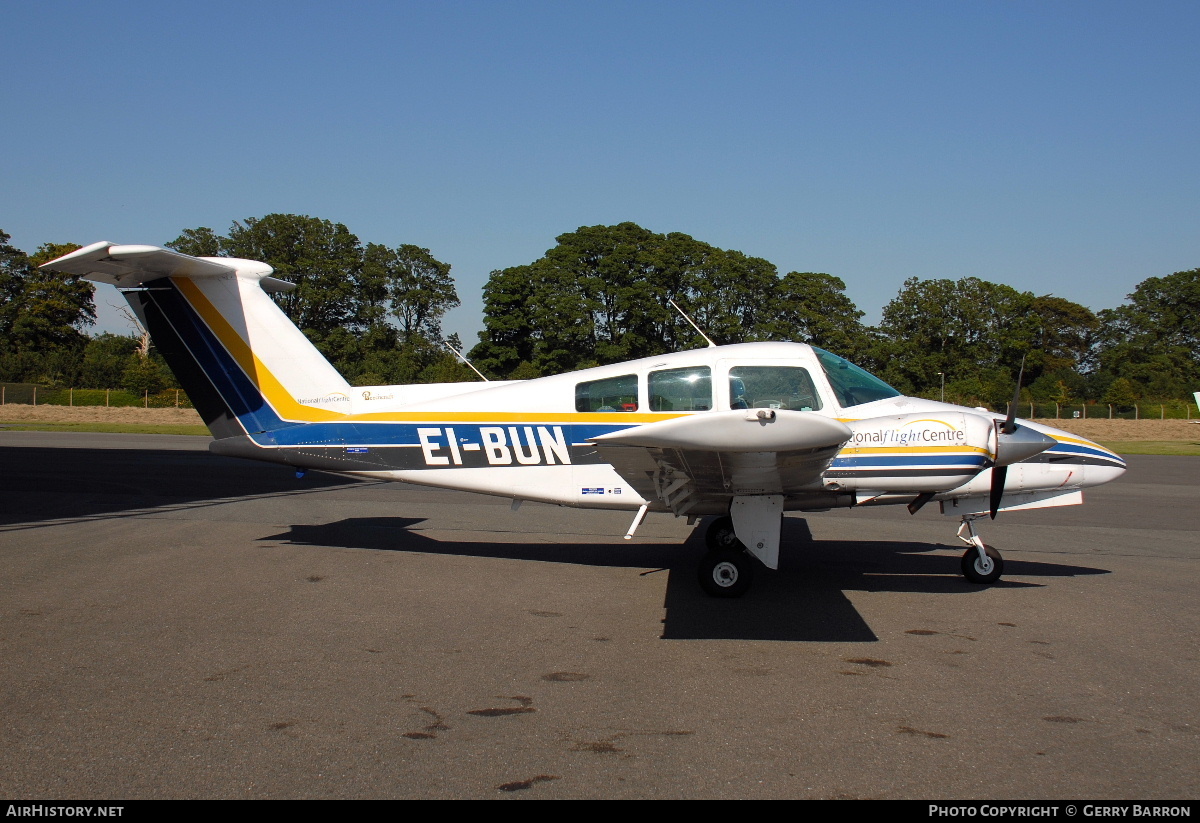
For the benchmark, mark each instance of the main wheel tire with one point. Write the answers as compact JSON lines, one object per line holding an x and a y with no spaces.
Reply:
{"x":726,"y":573}
{"x":720,"y":536}
{"x":976,"y":571}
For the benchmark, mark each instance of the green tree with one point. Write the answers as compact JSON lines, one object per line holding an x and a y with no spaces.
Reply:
{"x":105,"y":358}
{"x":53,"y":308}
{"x":1154,"y":340}
{"x":812,"y":307}
{"x":408,"y":285}
{"x":144,"y":374}
{"x":510,"y":336}
{"x":1063,"y":336}
{"x":14,"y":268}
{"x":1121,"y":392}
{"x":198,"y":242}
{"x":322,"y":258}
{"x":375,"y":312}
{"x":969,"y":326}
{"x":602,"y":295}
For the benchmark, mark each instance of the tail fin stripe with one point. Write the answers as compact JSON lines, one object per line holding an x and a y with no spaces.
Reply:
{"x":264,"y":383}
{"x":237,"y":393}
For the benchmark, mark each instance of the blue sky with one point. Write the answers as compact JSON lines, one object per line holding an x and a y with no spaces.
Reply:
{"x":1051,"y":146}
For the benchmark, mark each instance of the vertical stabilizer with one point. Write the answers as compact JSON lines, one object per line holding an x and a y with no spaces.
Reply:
{"x":245,"y":365}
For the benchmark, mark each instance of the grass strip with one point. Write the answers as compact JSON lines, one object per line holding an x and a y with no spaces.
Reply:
{"x":1168,"y":447}
{"x":113,"y":428}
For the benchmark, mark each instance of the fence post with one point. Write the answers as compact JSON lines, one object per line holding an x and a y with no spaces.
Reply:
{"x":35,"y":395}
{"x":146,"y":400}
{"x":71,"y":397}
{"x":177,"y":398}
{"x":1162,"y":412}
{"x":1056,"y":417}
{"x":106,"y":391}
{"x":2,"y":388}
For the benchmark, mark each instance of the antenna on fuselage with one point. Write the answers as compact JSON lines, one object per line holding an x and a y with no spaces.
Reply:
{"x":458,"y":354}
{"x":675,"y":305}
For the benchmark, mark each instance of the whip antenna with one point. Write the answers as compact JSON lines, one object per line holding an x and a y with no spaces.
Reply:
{"x":711,"y":344}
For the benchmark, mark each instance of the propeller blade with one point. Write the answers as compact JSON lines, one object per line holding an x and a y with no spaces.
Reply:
{"x":999,"y":474}
{"x":1010,"y":422}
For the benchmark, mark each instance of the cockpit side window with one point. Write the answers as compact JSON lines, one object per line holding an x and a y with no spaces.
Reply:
{"x":851,"y":385}
{"x":772,"y":387}
{"x":613,"y":394}
{"x":681,"y":389}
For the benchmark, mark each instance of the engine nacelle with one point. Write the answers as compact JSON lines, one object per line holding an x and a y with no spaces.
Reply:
{"x":918,"y":452}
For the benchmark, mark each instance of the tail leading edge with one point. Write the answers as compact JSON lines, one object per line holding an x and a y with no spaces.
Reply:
{"x":244,"y":364}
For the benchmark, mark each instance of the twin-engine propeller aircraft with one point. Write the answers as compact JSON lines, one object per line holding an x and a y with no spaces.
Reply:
{"x":743,"y":432}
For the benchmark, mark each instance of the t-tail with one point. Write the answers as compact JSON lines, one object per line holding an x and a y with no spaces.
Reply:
{"x":244,"y":364}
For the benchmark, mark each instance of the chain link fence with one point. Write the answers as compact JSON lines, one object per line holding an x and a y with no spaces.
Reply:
{"x":31,"y":394}
{"x":1166,"y":410}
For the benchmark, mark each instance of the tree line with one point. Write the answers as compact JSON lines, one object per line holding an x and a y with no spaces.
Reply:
{"x":600,"y":295}
{"x":375,"y":312}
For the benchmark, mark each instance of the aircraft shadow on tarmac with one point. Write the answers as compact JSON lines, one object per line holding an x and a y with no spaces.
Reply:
{"x":804,"y":600}
{"x":52,"y":484}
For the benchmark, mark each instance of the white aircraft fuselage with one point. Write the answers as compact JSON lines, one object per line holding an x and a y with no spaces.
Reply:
{"x":744,"y":432}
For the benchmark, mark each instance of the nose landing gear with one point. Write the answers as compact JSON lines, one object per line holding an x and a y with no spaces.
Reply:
{"x":981,"y":563}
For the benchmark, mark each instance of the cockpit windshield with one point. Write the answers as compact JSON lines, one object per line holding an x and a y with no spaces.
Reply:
{"x":851,"y":385}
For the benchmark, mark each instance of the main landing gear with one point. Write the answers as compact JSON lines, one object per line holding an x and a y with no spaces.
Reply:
{"x":727,"y":569}
{"x":981,"y":563}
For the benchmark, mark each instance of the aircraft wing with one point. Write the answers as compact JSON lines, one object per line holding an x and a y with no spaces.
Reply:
{"x":714,"y":456}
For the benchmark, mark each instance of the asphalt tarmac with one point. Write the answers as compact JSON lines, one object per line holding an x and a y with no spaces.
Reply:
{"x":179,"y":625}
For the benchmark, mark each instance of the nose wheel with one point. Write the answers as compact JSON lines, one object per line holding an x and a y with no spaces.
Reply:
{"x":981,"y":563}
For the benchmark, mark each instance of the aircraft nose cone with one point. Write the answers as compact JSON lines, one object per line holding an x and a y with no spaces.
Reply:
{"x":1099,"y":475}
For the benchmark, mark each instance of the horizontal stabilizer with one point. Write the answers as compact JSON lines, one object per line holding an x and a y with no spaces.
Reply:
{"x":130,"y":266}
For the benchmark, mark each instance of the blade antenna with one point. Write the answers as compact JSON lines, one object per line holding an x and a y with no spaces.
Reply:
{"x":458,"y":354}
{"x":675,"y":305}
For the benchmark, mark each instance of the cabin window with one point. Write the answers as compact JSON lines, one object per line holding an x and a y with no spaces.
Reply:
{"x":772,"y":387}
{"x":681,"y":389}
{"x":613,"y":394}
{"x":851,"y":385}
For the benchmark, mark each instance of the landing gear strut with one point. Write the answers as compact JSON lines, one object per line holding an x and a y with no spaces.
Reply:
{"x":721,"y":537}
{"x":727,"y":569}
{"x":981,"y":563}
